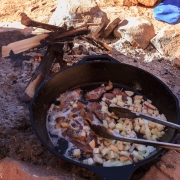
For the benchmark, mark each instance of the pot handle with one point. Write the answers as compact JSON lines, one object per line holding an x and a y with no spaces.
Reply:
{"x":98,"y":58}
{"x":115,"y":173}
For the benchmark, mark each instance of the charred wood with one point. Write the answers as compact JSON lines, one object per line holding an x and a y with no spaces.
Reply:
{"x":43,"y":70}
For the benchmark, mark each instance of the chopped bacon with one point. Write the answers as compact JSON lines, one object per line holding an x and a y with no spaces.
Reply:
{"x":60,"y":119}
{"x":82,"y":145}
{"x":95,"y":107}
{"x":109,"y":96}
{"x":79,"y":107}
{"x":71,"y":95}
{"x":116,"y":91}
{"x":95,"y":94}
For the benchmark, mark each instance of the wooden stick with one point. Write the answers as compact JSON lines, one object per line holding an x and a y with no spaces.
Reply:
{"x":45,"y":39}
{"x":43,"y":70}
{"x":25,"y":20}
{"x":23,"y":45}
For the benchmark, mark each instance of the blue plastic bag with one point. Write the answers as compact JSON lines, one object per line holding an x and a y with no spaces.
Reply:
{"x":168,"y":11}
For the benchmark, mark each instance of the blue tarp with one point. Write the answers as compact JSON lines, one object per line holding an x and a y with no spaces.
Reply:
{"x":168,"y":11}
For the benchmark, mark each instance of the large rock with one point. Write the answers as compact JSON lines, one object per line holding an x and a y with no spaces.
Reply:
{"x":137,"y":31}
{"x":123,"y":3}
{"x":145,"y":2}
{"x":11,"y":169}
{"x":167,"y":41}
{"x":166,"y":169}
{"x":73,"y":12}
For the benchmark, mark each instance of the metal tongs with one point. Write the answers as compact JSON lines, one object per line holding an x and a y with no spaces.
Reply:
{"x":126,"y":113}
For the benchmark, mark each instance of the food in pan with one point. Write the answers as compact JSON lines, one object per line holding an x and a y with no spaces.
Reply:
{"x":70,"y":115}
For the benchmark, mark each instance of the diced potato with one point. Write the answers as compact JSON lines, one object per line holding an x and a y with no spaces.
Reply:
{"x":137,"y":128}
{"x":149,"y":101}
{"x":127,"y":147}
{"x":151,"y":124}
{"x":136,"y":154}
{"x":162,"y":133}
{"x":104,"y":151}
{"x":154,"y":137}
{"x":142,"y":130}
{"x":83,"y":133}
{"x":125,"y":153}
{"x":123,"y":133}
{"x":120,"y":103}
{"x":92,"y":144}
{"x":112,"y":125}
{"x":156,"y":112}
{"x":150,"y":111}
{"x":144,"y":111}
{"x":76,"y":153}
{"x":140,"y":147}
{"x":114,"y":101}
{"x":138,"y":97}
{"x":154,"y":131}
{"x":162,"y":116}
{"x":158,"y":134}
{"x":120,"y":145}
{"x":128,"y":129}
{"x":149,"y":106}
{"x":107,"y":143}
{"x":64,"y":124}
{"x":130,"y":125}
{"x":126,"y":121}
{"x":105,"y":123}
{"x":119,"y":98}
{"x":97,"y":158}
{"x":160,"y":127}
{"x":123,"y":158}
{"x":57,"y":126}
{"x":111,"y":155}
{"x":85,"y":161}
{"x":113,"y":148}
{"x":141,"y":122}
{"x":129,"y":93}
{"x":148,"y":134}
{"x":137,"y":102}
{"x":96,"y":150}
{"x":74,"y":105}
{"x":119,"y":126}
{"x":131,"y":108}
{"x":129,"y":101}
{"x":90,"y":161}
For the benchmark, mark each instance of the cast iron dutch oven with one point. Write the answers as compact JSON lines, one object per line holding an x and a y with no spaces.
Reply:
{"x":98,"y":70}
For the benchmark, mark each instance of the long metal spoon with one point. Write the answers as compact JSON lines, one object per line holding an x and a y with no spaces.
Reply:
{"x":109,"y":134}
{"x":126,"y":113}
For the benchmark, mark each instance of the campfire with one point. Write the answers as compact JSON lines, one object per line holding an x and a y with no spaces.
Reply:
{"x":124,"y":30}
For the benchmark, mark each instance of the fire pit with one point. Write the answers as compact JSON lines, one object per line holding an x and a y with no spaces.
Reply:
{"x":18,"y":70}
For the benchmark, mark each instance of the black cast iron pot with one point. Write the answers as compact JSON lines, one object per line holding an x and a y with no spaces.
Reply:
{"x":98,"y":70}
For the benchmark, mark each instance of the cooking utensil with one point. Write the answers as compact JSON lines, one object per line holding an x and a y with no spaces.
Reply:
{"x":95,"y":70}
{"x":109,"y":134}
{"x":126,"y":113}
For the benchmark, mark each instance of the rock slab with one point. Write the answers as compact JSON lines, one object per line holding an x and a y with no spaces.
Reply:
{"x":11,"y":169}
{"x":135,"y":30}
{"x":167,"y":41}
{"x":166,"y":169}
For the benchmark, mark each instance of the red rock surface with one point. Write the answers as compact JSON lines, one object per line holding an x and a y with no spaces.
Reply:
{"x":11,"y":169}
{"x":166,"y":169}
